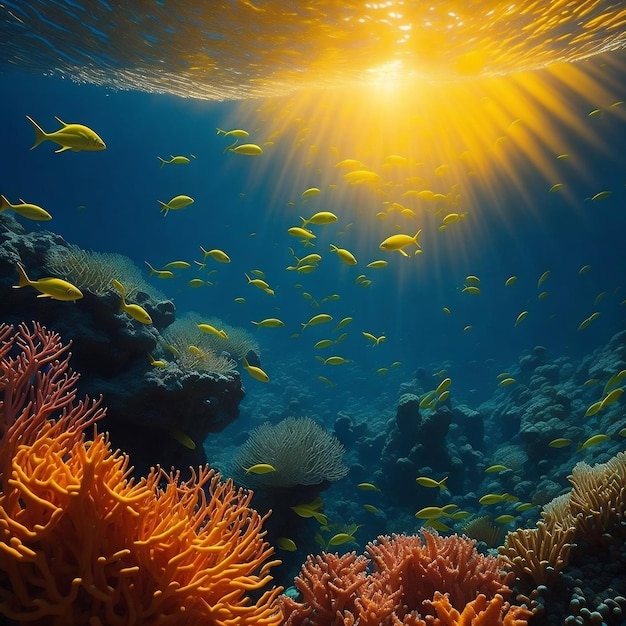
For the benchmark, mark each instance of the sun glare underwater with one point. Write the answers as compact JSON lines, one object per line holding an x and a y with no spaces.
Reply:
{"x":366,"y":259}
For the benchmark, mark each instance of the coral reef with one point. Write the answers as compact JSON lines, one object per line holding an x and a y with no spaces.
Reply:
{"x":111,"y":350}
{"x":81,"y":542}
{"x":440,"y":581}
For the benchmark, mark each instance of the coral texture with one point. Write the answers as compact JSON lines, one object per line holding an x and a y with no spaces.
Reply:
{"x":83,"y":543}
{"x":435,"y":581}
{"x":301,"y":451}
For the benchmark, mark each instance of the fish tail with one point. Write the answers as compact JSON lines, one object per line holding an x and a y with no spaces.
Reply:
{"x":416,"y":237}
{"x":40,"y":134}
{"x":164,"y":207}
{"x":220,"y":131}
{"x":231,"y":147}
{"x":152,"y":270}
{"x":163,"y":161}
{"x":4,"y":204}
{"x":24,"y":281}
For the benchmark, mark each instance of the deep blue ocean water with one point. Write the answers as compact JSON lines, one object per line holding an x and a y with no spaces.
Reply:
{"x":107,"y":202}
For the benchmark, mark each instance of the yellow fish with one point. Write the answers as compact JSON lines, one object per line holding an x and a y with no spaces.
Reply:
{"x":25,"y":209}
{"x":247,"y":149}
{"x":321,"y":318}
{"x":343,"y":323}
{"x":368,"y":487}
{"x":217,"y":255}
{"x":326,"y":381}
{"x":340,"y":538}
{"x":378,"y":263}
{"x":323,"y":343}
{"x":334,"y":360}
{"x":207,"y":328}
{"x":434,"y":512}
{"x":260,"y":468}
{"x":71,"y":137}
{"x":159,"y":273}
{"x":270,"y":322}
{"x":321,"y":217}
{"x":399,"y":242}
{"x":543,"y":278}
{"x":54,"y":288}
{"x":183,"y":438}
{"x":177,"y":265}
{"x":521,"y":317}
{"x":561,"y":442}
{"x":175,"y":160}
{"x":504,"y":519}
{"x":256,"y":372}
{"x":471,"y":289}
{"x":375,"y":340}
{"x":496,"y":468}
{"x":296,"y":231}
{"x":425,"y":481}
{"x":310,"y":192}
{"x":505,"y":382}
{"x":594,"y":440}
{"x":176,"y":203}
{"x":443,"y":385}
{"x":156,"y":362}
{"x":284,"y":543}
{"x":236,"y":132}
{"x":345,"y":255}
{"x":134,"y":310}
{"x":510,"y":280}
{"x":370,"y":508}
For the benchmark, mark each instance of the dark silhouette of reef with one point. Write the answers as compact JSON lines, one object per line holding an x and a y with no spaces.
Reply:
{"x":148,"y":408}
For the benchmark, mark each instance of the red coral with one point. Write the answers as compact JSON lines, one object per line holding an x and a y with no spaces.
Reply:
{"x":434,"y":581}
{"x":81,"y":542}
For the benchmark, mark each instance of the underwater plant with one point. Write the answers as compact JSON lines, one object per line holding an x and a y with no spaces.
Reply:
{"x":94,"y":271}
{"x":83,"y":542}
{"x":298,"y":449}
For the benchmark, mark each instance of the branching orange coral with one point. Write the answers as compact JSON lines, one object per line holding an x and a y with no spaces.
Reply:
{"x":437,"y":581}
{"x":81,"y":542}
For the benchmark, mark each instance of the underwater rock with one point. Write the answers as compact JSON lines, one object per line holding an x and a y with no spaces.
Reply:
{"x":150,"y":409}
{"x":408,"y":417}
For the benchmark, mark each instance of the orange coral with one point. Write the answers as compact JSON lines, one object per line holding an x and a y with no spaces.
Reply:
{"x":437,"y":581}
{"x":82,"y":542}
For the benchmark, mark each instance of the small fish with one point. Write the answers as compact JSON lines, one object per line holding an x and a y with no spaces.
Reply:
{"x":260,"y":468}
{"x":602,"y":195}
{"x":156,"y":362}
{"x":561,"y":442}
{"x":370,"y":508}
{"x":504,"y":519}
{"x":399,"y":242}
{"x":425,"y":481}
{"x":594,"y":440}
{"x":321,"y":217}
{"x":492,"y":498}
{"x":584,"y":269}
{"x":510,"y":280}
{"x":321,"y":318}
{"x":323,"y":343}
{"x":343,"y":323}
{"x":71,"y":137}
{"x":335,"y":360}
{"x":543,"y":278}
{"x":270,"y":322}
{"x":176,"y":203}
{"x":443,"y":385}
{"x":174,"y":160}
{"x":345,"y":255}
{"x":303,"y":233}
{"x":375,"y":340}
{"x":521,"y":317}
{"x":505,"y":382}
{"x":496,"y":468}
{"x":26,"y":210}
{"x":183,"y":438}
{"x":310,"y":192}
{"x":207,"y":328}
{"x":367,"y":487}
{"x":326,"y":381}
{"x":134,"y":310}
{"x":236,"y":132}
{"x":611,"y":397}
{"x":556,"y":187}
{"x":524,"y":506}
{"x":177,"y":265}
{"x":446,"y":310}
{"x":593,"y":409}
{"x":434,"y":512}
{"x":472,"y":289}
{"x":217,"y":255}
{"x":247,"y":149}
{"x":54,"y":288}
{"x":377,"y":264}
{"x":159,"y":273}
{"x":284,"y":543}
{"x":256,"y":372}
{"x":340,"y":538}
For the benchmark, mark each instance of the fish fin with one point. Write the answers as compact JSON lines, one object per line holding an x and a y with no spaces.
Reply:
{"x":62,"y":149}
{"x":58,"y":119}
{"x":40,"y":133}
{"x":163,"y":161}
{"x":44,"y":295}
{"x":402,"y":252}
{"x":24,"y":280}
